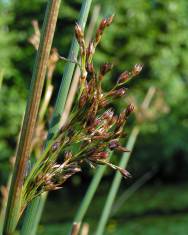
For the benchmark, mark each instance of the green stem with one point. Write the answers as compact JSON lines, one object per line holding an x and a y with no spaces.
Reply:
{"x":68,"y":72}
{"x":115,"y":184}
{"x":24,"y":146}
{"x":89,"y":194}
{"x":36,"y":205}
{"x":29,"y":228}
{"x":1,"y":78}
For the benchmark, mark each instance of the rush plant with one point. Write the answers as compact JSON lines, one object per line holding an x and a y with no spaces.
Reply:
{"x":92,"y":129}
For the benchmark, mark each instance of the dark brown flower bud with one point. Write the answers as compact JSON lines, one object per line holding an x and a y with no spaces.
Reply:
{"x":124,"y":77}
{"x":137,"y":69}
{"x":105,"y":68}
{"x":129,"y":110}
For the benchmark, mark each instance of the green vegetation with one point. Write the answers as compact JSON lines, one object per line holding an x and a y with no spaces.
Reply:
{"x":151,"y":32}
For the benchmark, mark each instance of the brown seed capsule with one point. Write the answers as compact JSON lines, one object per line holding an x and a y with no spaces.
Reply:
{"x":122,"y":149}
{"x":105,"y":68}
{"x":104,"y":23}
{"x":124,"y":77}
{"x":137,"y":69}
{"x":90,"y":49}
{"x":118,"y":93}
{"x":129,"y":110}
{"x":124,"y":172}
{"x":78,"y":32}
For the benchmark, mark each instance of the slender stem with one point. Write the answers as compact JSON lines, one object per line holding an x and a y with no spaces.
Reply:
{"x":132,"y":189}
{"x":123,"y":163}
{"x":115,"y":184}
{"x":37,"y":206}
{"x":24,"y":146}
{"x":30,"y":228}
{"x":75,"y":229}
{"x":68,"y":72}
{"x":1,"y":78}
{"x":89,"y":194}
{"x":75,"y":80}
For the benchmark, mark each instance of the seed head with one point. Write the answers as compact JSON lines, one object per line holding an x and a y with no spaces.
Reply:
{"x":118,"y":93}
{"x":124,"y":77}
{"x":129,"y":110}
{"x":105,"y":68}
{"x":79,"y":32}
{"x":137,"y":69}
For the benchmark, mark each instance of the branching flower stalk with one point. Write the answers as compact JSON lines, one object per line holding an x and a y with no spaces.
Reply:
{"x":92,"y":130}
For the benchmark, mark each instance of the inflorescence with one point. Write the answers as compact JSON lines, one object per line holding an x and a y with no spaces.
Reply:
{"x":92,"y":129}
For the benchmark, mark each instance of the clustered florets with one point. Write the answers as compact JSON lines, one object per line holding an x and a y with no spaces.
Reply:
{"x":92,"y":129}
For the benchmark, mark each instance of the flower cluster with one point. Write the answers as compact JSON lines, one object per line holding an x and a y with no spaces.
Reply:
{"x":92,"y":129}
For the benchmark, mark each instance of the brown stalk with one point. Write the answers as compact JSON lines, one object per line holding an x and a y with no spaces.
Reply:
{"x":14,"y":209}
{"x":75,"y":229}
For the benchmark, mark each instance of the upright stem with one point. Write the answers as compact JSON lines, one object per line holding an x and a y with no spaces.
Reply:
{"x":24,"y":146}
{"x":89,"y":194}
{"x":123,"y":163}
{"x":115,"y":184}
{"x":68,"y":72}
{"x":31,"y":221}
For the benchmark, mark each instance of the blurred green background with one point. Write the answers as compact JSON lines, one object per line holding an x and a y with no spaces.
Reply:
{"x":152,"y":32}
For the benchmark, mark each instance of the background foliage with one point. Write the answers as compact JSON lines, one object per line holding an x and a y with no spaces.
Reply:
{"x":151,"y":32}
